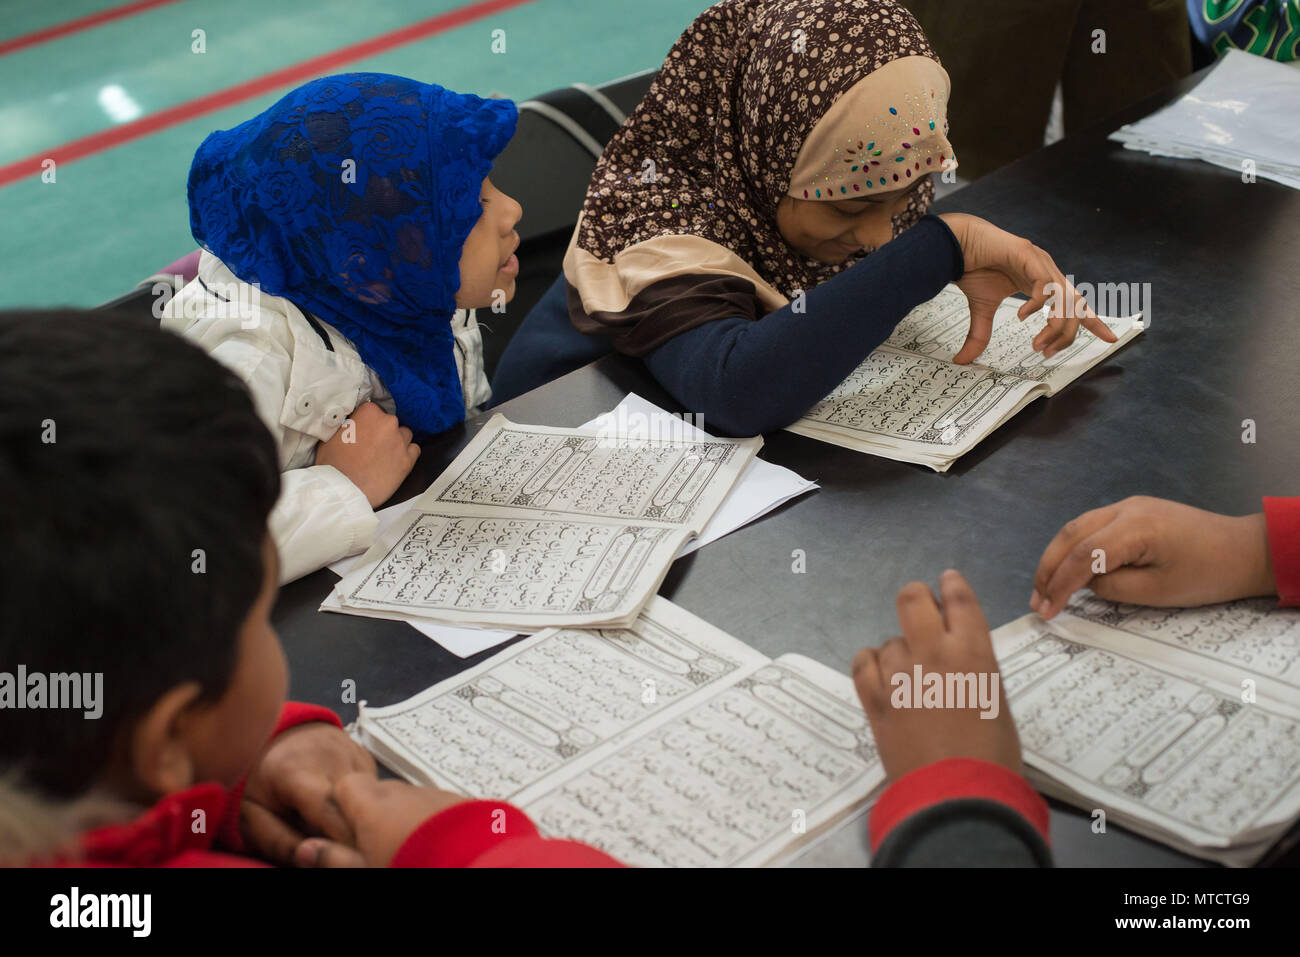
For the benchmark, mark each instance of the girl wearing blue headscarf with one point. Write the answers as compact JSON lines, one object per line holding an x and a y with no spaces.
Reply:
{"x":348,"y":233}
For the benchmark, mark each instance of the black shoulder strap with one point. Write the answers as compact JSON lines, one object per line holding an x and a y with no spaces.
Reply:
{"x":311,"y":320}
{"x":320,"y":330}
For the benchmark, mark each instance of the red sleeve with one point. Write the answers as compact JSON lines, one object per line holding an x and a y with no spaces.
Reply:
{"x":296,"y":713}
{"x":293,"y":714}
{"x":956,"y":778}
{"x":490,"y":834}
{"x":1282,"y":516}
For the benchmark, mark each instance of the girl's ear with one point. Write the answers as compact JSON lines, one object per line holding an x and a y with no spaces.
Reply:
{"x":160,"y":751}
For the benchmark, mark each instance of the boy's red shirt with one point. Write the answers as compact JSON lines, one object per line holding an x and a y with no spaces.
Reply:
{"x":470,"y":834}
{"x":1283,"y":518}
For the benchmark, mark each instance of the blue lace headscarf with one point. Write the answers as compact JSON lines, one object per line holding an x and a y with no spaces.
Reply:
{"x":352,"y":198}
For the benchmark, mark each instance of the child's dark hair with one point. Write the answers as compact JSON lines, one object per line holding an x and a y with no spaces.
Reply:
{"x":135,"y":484}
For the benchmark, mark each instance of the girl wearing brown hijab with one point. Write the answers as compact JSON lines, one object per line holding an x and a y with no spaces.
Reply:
{"x":759,"y":225}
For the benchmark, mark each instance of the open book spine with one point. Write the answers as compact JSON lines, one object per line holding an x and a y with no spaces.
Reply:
{"x":533,"y":527}
{"x":908,"y":402}
{"x":1152,"y":736}
{"x":670,"y":743}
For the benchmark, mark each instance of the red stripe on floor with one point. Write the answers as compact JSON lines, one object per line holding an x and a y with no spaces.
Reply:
{"x":79,"y":24}
{"x":291,"y":75}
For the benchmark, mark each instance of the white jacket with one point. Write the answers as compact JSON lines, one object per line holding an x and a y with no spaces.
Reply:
{"x":303,"y":391}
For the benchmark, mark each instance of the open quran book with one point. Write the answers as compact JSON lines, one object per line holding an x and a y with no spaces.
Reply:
{"x":1180,"y":724}
{"x":668,"y":743}
{"x":908,"y":402}
{"x":534,"y":527}
{"x":671,"y":743}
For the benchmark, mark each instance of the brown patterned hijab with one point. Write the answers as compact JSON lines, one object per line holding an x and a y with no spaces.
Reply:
{"x":758,"y":99}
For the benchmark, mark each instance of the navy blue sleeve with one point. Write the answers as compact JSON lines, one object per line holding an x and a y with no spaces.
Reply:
{"x":545,"y":347}
{"x":748,"y":377}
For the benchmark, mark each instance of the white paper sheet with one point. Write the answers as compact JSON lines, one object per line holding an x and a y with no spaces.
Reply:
{"x":1245,"y":109}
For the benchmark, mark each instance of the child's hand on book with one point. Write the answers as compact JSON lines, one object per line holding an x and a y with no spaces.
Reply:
{"x":911,"y":728}
{"x":290,"y":792}
{"x":1150,"y":551}
{"x":999,"y":264}
{"x":382,"y":815}
{"x":373,"y":451}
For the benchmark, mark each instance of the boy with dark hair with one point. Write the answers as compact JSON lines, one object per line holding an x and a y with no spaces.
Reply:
{"x":136,"y":485}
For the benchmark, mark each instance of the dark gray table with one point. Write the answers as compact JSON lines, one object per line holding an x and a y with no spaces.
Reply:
{"x":1163,"y":417}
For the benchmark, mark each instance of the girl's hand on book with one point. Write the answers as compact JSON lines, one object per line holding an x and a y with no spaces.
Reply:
{"x":1150,"y":551}
{"x":951,"y":638}
{"x":373,"y":451}
{"x":999,"y":264}
{"x":382,"y":815}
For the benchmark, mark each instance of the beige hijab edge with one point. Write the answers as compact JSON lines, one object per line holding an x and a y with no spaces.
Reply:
{"x":610,"y":287}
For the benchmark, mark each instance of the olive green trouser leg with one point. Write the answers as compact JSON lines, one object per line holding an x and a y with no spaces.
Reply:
{"x":1006,"y":58}
{"x":1148,"y":46}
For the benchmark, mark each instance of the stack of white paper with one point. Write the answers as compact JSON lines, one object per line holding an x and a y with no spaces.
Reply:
{"x":1243,"y":117}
